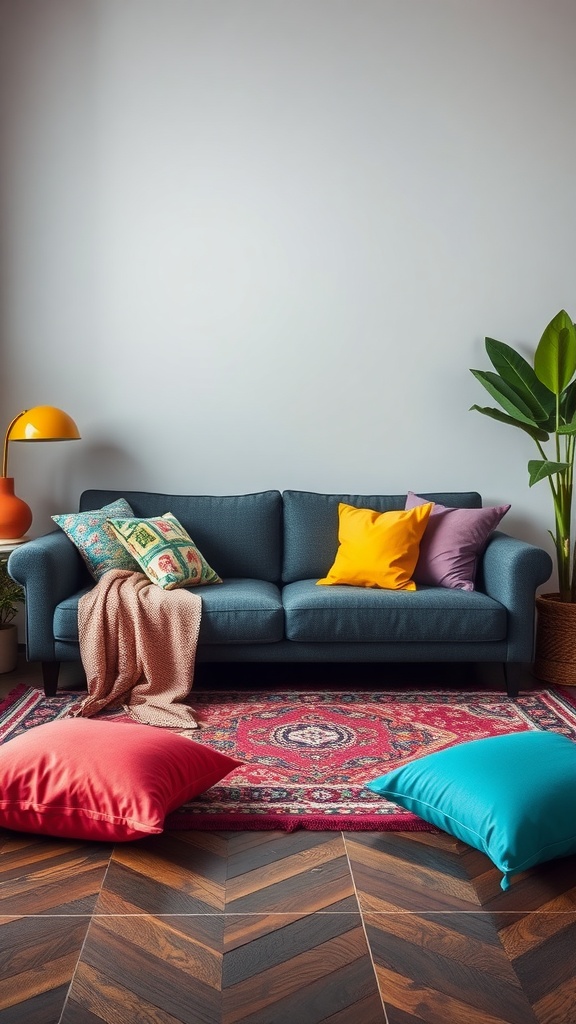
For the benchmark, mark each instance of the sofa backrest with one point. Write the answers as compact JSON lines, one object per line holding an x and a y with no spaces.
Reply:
{"x":311,"y":525}
{"x":239,"y":534}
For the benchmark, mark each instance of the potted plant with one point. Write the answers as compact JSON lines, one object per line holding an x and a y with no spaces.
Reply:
{"x":11,"y":596}
{"x":540,"y":399}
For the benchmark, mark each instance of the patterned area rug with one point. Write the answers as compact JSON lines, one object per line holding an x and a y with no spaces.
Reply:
{"x":308,"y":754}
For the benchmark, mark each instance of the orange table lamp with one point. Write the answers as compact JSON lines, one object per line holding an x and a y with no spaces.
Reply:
{"x":42,"y":423}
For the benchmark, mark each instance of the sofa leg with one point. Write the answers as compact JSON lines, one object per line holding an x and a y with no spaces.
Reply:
{"x":50,"y":673}
{"x":512,"y":678}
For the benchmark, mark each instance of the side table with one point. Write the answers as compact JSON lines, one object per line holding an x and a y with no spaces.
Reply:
{"x":8,"y":546}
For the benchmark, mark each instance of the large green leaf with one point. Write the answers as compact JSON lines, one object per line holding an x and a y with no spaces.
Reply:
{"x":568,"y":403}
{"x":540,"y":469}
{"x":555,"y":356}
{"x":536,"y":432}
{"x":517,"y":372}
{"x":505,"y":395}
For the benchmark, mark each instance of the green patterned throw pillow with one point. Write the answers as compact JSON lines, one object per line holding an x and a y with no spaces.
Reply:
{"x":100,"y":550}
{"x":164,"y":551}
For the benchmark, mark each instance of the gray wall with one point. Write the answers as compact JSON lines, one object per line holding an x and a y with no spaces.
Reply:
{"x":258,"y":243}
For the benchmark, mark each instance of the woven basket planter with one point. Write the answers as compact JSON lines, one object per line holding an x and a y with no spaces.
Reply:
{"x":555,"y":660}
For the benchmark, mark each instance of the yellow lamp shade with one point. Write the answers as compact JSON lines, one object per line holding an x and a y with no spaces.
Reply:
{"x":44,"y":423}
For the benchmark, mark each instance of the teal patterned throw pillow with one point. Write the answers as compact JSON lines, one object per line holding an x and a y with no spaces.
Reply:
{"x":164,"y":551}
{"x":100,"y":551}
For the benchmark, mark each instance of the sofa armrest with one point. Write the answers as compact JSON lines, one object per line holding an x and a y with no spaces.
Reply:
{"x":49,"y":568}
{"x":510,"y":572}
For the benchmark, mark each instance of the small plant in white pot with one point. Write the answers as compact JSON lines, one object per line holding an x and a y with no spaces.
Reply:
{"x":11,"y":597}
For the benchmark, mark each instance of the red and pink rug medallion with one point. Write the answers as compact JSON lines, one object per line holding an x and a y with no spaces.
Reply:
{"x":308,"y":755}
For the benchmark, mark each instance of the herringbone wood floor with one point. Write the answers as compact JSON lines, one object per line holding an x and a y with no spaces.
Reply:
{"x":268,"y":927}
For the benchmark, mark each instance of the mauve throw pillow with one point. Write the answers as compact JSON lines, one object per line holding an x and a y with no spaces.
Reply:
{"x":452,"y":543}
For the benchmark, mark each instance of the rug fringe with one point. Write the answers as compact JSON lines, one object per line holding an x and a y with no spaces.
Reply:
{"x":289,"y":823}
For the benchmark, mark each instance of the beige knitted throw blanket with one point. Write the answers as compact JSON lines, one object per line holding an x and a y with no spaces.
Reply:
{"x":138,"y":648}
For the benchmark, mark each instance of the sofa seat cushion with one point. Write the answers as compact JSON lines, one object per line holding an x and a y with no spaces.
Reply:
{"x":342,"y":614}
{"x":241,"y":611}
{"x":237,"y":611}
{"x":66,"y":617}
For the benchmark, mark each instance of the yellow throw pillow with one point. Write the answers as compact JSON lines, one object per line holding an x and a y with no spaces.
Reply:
{"x":378,"y":549}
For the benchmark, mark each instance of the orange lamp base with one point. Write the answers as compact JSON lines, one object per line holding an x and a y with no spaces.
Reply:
{"x":15,"y":514}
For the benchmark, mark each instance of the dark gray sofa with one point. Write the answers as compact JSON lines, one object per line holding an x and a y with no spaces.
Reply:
{"x":270,"y":548}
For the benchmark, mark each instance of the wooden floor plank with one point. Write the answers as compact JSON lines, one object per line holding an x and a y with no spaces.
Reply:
{"x":133,"y":965}
{"x":313,"y":875}
{"x":411,"y":1001}
{"x":305,"y":983}
{"x":243,"y":928}
{"x":45,"y":1008}
{"x":42,"y":875}
{"x":95,"y":998}
{"x":53,"y":973}
{"x":558,"y":1006}
{"x":529,"y":931}
{"x":551,"y":963}
{"x":440,"y":970}
{"x":289,"y":938}
{"x":133,"y":892}
{"x":306,"y":891}
{"x":338,"y":996}
{"x":164,"y":875}
{"x":171,"y":863}
{"x":79,"y":1013}
{"x":27,"y":943}
{"x":368,"y":1010}
{"x":381,"y":872}
{"x":534,"y":890}
{"x":267,"y":848}
{"x":469,"y":939}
